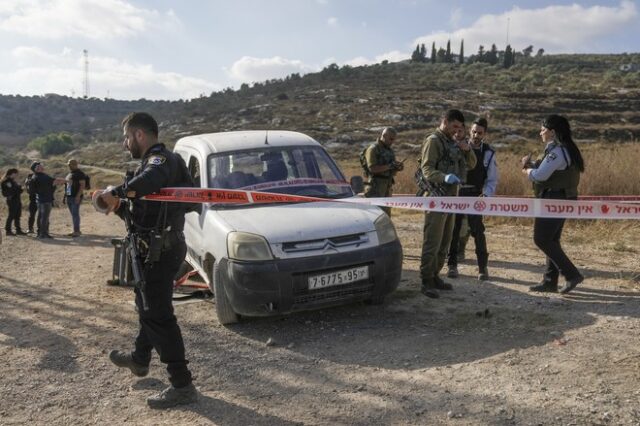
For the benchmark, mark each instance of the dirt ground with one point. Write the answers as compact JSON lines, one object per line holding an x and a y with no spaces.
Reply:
{"x":487,"y":353}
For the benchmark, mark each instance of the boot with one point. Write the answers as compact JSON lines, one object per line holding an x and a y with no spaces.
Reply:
{"x":170,"y":397}
{"x":483,"y":275}
{"x":19,"y":232}
{"x":10,"y":233}
{"x":125,"y":360}
{"x":441,"y":285}
{"x":571,"y":284}
{"x":452,"y":272}
{"x":544,"y":287}
{"x":428,"y":288}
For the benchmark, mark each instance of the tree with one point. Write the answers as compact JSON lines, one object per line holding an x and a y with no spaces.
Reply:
{"x":540,"y":53}
{"x":481,"y":54}
{"x":415,"y":55}
{"x":441,"y":56}
{"x":423,"y":53}
{"x":508,"y":57}
{"x":492,"y":55}
{"x":527,"y":51}
{"x":52,"y":144}
{"x":461,"y":60}
{"x":447,"y":56}
{"x":433,"y":52}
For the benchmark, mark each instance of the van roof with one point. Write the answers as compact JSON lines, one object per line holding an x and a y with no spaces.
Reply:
{"x":234,"y":141}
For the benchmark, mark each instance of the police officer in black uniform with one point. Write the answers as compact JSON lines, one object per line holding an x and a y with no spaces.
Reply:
{"x":159,"y":328}
{"x":11,"y":190}
{"x":555,"y":175}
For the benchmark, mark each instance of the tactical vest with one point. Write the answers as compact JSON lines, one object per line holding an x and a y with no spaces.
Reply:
{"x":383,"y":156}
{"x":478,"y":175}
{"x":452,"y":160}
{"x":567,"y":179}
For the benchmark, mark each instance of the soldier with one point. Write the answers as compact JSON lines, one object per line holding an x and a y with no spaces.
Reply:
{"x":442,"y":161}
{"x":159,"y":328}
{"x":481,"y":182}
{"x":380,"y":166}
{"x":11,"y":190}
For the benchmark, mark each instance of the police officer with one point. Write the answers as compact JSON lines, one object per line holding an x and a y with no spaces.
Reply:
{"x":11,"y":190}
{"x":555,"y":175}
{"x":380,"y":166}
{"x":159,"y":328}
{"x":443,"y":160}
{"x":481,"y":181}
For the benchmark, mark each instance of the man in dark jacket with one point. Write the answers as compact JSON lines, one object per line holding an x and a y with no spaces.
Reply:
{"x":74,"y":190}
{"x":44,"y":185}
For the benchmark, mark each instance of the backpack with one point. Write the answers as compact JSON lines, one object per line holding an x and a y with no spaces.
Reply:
{"x":87,"y":181}
{"x":363,"y":162}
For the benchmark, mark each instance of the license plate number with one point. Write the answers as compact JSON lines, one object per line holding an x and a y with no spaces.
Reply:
{"x":345,"y":276}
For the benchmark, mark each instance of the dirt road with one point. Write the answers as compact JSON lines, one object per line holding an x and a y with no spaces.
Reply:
{"x":486,"y":353}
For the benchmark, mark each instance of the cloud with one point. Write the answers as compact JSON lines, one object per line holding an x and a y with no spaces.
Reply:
{"x":39,"y":72}
{"x":557,"y":29}
{"x":393,"y":56}
{"x":455,"y":18}
{"x":93,"y":19}
{"x":249,"y":69}
{"x":332,"y":22}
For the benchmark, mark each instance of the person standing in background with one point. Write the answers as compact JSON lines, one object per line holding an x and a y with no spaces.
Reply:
{"x":11,"y":190}
{"x":74,"y":190}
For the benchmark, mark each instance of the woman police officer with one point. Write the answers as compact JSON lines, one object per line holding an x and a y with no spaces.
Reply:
{"x":555,"y":176}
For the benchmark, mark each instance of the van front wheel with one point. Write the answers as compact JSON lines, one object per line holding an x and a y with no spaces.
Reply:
{"x":224,"y":311}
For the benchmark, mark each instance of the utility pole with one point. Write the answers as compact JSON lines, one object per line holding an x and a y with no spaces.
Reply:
{"x":86,"y":73}
{"x":508,"y":19}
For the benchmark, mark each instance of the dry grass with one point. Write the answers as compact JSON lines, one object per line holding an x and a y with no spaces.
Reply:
{"x":610,"y":170}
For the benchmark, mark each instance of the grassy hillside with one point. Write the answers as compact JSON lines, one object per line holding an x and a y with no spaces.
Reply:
{"x":345,"y":108}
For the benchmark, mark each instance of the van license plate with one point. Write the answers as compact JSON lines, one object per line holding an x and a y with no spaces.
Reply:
{"x":345,"y":276}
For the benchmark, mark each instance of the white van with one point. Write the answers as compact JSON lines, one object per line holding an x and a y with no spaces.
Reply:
{"x":278,"y":258}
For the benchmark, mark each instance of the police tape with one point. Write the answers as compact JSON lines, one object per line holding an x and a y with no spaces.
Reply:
{"x":486,"y":206}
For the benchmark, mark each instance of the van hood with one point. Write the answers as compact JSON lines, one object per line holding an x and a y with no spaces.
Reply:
{"x":281,"y":223}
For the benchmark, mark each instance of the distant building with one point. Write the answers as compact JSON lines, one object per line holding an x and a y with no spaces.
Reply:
{"x":629,"y":67}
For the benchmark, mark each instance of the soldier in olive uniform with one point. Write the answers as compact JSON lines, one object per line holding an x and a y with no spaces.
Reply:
{"x":443,"y":161}
{"x":380,"y":166}
{"x":159,"y":330}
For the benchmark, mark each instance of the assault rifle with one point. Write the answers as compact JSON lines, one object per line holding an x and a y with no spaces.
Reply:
{"x":426,"y":187}
{"x":131,"y":242}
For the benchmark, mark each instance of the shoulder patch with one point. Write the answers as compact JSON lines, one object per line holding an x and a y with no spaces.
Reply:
{"x":156,"y":160}
{"x":551,"y":156}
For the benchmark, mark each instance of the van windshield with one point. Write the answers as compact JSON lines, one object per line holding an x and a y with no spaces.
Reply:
{"x":295,"y":170}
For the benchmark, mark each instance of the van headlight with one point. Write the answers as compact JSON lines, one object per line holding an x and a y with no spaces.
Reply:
{"x":385,"y":229}
{"x":245,"y":246}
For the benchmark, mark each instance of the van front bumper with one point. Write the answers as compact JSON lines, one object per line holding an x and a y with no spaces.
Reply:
{"x":281,"y":286}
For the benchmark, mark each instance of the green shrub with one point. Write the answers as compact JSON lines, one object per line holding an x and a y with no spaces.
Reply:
{"x":52,"y":144}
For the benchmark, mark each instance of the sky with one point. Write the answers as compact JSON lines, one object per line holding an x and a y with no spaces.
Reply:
{"x":161,"y":49}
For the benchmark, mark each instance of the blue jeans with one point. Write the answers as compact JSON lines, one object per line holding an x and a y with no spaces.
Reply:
{"x":74,"y":208}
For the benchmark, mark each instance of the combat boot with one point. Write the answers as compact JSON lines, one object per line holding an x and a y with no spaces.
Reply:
{"x":428,"y":288}
{"x":125,"y":360}
{"x":171,"y":397}
{"x":441,"y":285}
{"x":452,"y":272}
{"x":545,"y":287}
{"x":483,"y":275}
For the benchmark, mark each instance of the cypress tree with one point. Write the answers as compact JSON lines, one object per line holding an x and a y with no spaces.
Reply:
{"x":447,"y":57}
{"x":423,"y":53}
{"x":433,"y":53}
{"x":462,"y":52}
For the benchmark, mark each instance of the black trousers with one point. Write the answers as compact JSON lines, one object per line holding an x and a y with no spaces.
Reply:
{"x":33,"y":209}
{"x":15,"y":211}
{"x":546,"y":236}
{"x":159,"y":328}
{"x":477,"y":232}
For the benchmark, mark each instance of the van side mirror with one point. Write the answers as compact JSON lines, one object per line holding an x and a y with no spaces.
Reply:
{"x":357,"y":184}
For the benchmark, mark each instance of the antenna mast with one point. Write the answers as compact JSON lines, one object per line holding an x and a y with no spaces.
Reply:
{"x":508,"y":20}
{"x":86,"y":73}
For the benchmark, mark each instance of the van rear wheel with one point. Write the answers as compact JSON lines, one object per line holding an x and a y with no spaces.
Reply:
{"x":223,"y":308}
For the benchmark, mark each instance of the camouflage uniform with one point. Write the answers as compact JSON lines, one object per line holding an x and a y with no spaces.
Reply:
{"x":379,"y":184}
{"x":435,"y":164}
